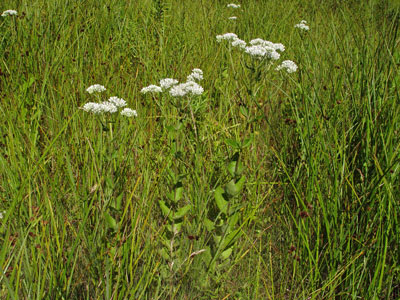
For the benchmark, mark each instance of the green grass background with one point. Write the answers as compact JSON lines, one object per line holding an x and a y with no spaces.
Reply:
{"x":319,"y":212}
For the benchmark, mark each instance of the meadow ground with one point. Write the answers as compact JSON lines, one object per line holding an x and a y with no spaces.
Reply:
{"x":241,"y":182}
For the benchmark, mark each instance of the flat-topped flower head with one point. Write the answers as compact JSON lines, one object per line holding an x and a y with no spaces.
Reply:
{"x":239,"y":44}
{"x":9,"y":12}
{"x":127,"y":112}
{"x":118,"y":102}
{"x":260,"y":52}
{"x":95,"y":88}
{"x":108,"y":107}
{"x":196,"y":75}
{"x":287,"y":65}
{"x":232,"y":18}
{"x":268,"y":44}
{"x":302,"y":25}
{"x":187,"y":88}
{"x":100,"y":108}
{"x":233,"y":5}
{"x":227,"y":37}
{"x":151,"y":89}
{"x":167,"y":83}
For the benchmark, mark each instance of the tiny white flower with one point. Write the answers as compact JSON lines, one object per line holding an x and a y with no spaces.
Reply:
{"x":267,"y":44}
{"x":129,"y":112}
{"x":151,"y":89}
{"x":227,"y":37}
{"x":239,"y":43}
{"x":2,"y":213}
{"x":288,"y":65}
{"x":108,"y":107}
{"x":90,"y":107}
{"x":232,"y":18}
{"x":167,"y":83}
{"x":273,"y":55}
{"x":279,"y":47}
{"x":99,"y":108}
{"x":302,"y":25}
{"x":183,"y":89}
{"x":196,"y":75}
{"x":233,"y":5}
{"x":256,"y":51}
{"x":118,"y":102}
{"x":95,"y":88}
{"x":261,"y":49}
{"x":9,"y":12}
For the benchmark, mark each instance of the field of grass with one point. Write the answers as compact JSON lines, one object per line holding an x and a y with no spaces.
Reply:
{"x":268,"y":185}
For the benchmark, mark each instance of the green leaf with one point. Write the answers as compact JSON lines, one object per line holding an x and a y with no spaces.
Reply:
{"x":110,"y":221}
{"x":219,"y":199}
{"x":230,"y":238}
{"x":175,"y":228}
{"x":182,"y":212}
{"x":209,"y":224}
{"x":226,"y":253}
{"x":234,"y":144}
{"x":247,"y":142}
{"x":232,"y":221}
{"x":232,"y":188}
{"x":176,"y":194}
{"x":232,"y":168}
{"x":244,"y":111}
{"x":165,"y":209}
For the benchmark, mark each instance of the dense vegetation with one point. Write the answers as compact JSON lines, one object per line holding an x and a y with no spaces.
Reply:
{"x":269,"y":185}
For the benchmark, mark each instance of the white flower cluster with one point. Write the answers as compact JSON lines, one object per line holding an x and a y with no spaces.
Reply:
{"x":2,"y":213}
{"x":112,"y":105}
{"x":9,"y":12}
{"x":166,"y":83}
{"x":264,"y":49}
{"x":233,"y":5}
{"x":288,"y":65}
{"x":232,"y":18}
{"x":187,"y":88}
{"x":190,"y":87}
{"x":227,"y":37}
{"x":239,"y":44}
{"x":151,"y":89}
{"x":196,"y":75}
{"x":260,"y":49}
{"x":95,"y":88}
{"x":302,"y":25}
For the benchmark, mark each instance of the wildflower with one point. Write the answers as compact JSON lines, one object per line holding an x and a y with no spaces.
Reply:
{"x":151,"y":89}
{"x":232,"y":5}
{"x":263,"y":43}
{"x":196,"y":75}
{"x":227,"y":36}
{"x":118,"y":102}
{"x":91,"y":107}
{"x":259,"y":51}
{"x":183,"y":89}
{"x":9,"y":12}
{"x":232,"y":18}
{"x":95,"y":88}
{"x":167,"y":83}
{"x":108,"y":107}
{"x":2,"y":213}
{"x":239,"y":43}
{"x":288,"y":65}
{"x":99,"y":108}
{"x":302,"y":25}
{"x":129,"y":112}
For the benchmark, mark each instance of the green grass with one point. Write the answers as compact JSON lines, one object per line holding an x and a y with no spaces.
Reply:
{"x":281,"y":186}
